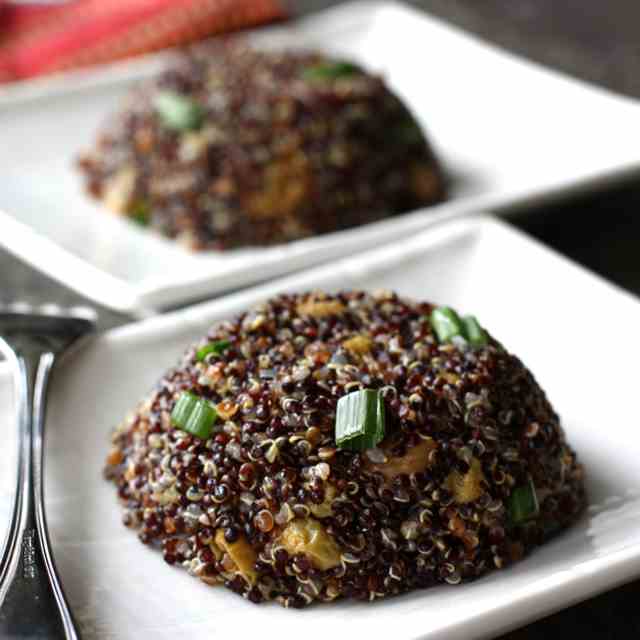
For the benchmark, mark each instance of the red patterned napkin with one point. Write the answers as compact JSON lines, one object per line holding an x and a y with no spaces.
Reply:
{"x":40,"y":39}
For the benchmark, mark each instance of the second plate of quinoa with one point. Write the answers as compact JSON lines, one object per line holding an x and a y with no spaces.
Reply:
{"x":234,"y":147}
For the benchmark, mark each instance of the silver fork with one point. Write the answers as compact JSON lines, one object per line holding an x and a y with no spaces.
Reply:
{"x":32,"y":602}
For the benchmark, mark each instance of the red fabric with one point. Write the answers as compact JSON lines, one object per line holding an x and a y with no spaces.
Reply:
{"x":39,"y":39}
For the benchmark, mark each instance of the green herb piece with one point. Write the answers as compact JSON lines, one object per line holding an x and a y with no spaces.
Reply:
{"x":194,"y":415}
{"x":446,"y":323}
{"x":330,"y":71}
{"x":523,"y":503}
{"x":409,"y":133}
{"x":360,"y":420}
{"x":473,"y":332}
{"x":177,"y":111}
{"x":550,"y":527}
{"x":217,"y":347}
{"x":139,"y":213}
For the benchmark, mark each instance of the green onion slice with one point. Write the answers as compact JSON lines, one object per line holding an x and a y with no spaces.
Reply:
{"x":330,"y":71}
{"x":177,"y":111}
{"x":217,"y":347}
{"x":550,"y":527}
{"x":194,"y":415}
{"x":140,"y":213}
{"x":473,"y":332}
{"x":446,"y":323}
{"x":408,"y":132}
{"x":360,"y":420}
{"x":523,"y":503}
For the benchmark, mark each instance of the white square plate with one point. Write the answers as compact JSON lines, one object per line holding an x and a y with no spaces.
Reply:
{"x":509,"y":133}
{"x":575,"y":332}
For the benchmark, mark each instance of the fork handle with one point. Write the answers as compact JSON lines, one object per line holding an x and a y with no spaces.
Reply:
{"x":32,"y":602}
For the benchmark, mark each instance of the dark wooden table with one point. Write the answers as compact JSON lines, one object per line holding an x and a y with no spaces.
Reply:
{"x":596,"y":40}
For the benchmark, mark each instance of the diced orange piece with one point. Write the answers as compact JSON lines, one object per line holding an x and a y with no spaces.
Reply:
{"x":242,"y":554}
{"x":467,"y":487}
{"x":310,"y":538}
{"x":414,"y":461}
{"x":358,"y":345}
{"x":320,"y":308}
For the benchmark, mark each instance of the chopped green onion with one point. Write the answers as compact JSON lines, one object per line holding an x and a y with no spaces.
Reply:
{"x":408,"y":132}
{"x":217,"y":347}
{"x":140,"y":213}
{"x":360,"y":420}
{"x":523,"y":503}
{"x":330,"y":71}
{"x":194,"y":415}
{"x":473,"y":332}
{"x":177,"y":111}
{"x":550,"y":527}
{"x":445,"y":323}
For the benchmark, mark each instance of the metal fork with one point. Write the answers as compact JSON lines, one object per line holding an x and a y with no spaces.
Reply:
{"x":32,"y":602}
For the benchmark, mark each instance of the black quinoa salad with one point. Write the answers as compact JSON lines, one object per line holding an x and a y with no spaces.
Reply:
{"x":357,"y":445}
{"x":233,"y":147}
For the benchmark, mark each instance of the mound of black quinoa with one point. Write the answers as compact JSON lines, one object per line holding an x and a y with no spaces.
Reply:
{"x":272,"y":508}
{"x":231,"y":147}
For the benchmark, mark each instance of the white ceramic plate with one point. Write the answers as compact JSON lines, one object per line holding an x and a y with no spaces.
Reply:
{"x":572,"y":329}
{"x":509,"y":132}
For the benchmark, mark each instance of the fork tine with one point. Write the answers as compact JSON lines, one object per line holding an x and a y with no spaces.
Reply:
{"x":18,"y":307}
{"x":85,"y":312}
{"x":49,"y":309}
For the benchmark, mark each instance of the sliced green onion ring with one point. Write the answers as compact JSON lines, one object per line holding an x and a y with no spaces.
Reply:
{"x":218,"y":347}
{"x":360,"y":420}
{"x":330,"y":71}
{"x":140,"y":213}
{"x":523,"y":503}
{"x":446,"y":323}
{"x":473,"y":332}
{"x":408,"y":132}
{"x":194,"y":415}
{"x":177,"y":111}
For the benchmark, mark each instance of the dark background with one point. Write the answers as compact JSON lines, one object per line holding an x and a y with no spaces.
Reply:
{"x":596,"y":40}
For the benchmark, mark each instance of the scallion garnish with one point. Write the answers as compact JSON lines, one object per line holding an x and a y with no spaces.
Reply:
{"x":139,"y":213}
{"x":177,"y":111}
{"x":446,"y":323}
{"x":550,"y":527}
{"x":217,"y":347}
{"x":360,"y":420}
{"x":473,"y":332}
{"x":408,"y":133}
{"x":330,"y":71}
{"x":523,"y":503}
{"x":194,"y":415}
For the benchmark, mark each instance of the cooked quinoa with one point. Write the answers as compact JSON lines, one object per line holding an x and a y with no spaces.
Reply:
{"x":232,"y":146}
{"x":271,"y":507}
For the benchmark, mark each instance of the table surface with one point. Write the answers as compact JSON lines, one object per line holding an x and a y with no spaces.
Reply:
{"x":596,"y":41}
